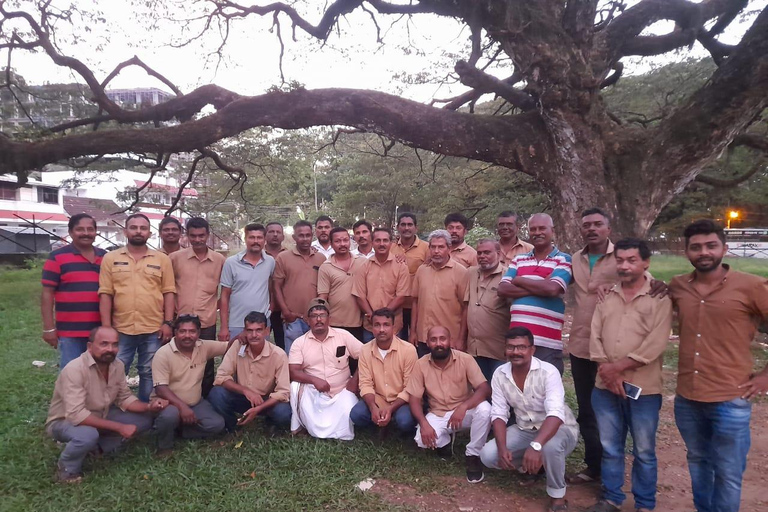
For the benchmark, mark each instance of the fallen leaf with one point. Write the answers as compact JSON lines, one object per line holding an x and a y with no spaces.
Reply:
{"x":366,"y":484}
{"x":238,"y":445}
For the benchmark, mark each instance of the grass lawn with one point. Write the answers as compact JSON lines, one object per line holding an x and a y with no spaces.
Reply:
{"x":665,"y":266}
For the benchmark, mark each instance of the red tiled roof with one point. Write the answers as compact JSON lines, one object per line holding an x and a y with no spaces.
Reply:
{"x":39,"y":216}
{"x":99,"y":209}
{"x":188,"y":191}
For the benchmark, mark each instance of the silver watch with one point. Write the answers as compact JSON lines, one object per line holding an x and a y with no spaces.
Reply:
{"x":536,"y":446}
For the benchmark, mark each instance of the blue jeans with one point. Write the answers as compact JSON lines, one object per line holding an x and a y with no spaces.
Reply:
{"x":294,"y":330}
{"x":228,"y":404}
{"x":69,"y":349}
{"x":361,"y":417}
{"x":716,"y":435}
{"x":616,"y":416}
{"x":368,"y":336}
{"x":488,"y":366}
{"x":146,"y":345}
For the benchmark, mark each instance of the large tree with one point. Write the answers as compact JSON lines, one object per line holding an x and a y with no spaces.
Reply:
{"x":557,"y":129}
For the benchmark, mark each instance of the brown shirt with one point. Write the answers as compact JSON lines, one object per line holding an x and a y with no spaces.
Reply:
{"x":445,"y":388}
{"x":716,"y":331}
{"x":487,"y":314}
{"x":415,"y":256}
{"x":441,"y":294}
{"x":197,"y":283}
{"x":184,"y":375}
{"x":380,"y":284}
{"x":465,"y":254}
{"x":275,"y":305}
{"x":319,"y":358}
{"x":585,"y":285}
{"x":386,"y":378}
{"x":638,"y":329}
{"x":266,"y":374}
{"x":520,"y":247}
{"x":337,"y":283}
{"x":137,"y":289}
{"x":81,"y":390}
{"x":299,"y":276}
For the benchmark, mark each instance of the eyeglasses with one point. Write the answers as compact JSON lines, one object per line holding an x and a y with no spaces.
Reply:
{"x":518,"y":348}
{"x":318,"y":316}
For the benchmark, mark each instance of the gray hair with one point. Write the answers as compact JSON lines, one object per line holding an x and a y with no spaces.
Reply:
{"x":440,"y":233}
{"x":495,"y":243}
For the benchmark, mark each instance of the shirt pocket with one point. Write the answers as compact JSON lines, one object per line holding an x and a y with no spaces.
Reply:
{"x":121,"y":274}
{"x":153,"y":274}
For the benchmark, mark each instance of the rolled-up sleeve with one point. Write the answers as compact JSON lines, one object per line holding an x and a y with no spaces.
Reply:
{"x":562,"y":274}
{"x":499,"y":405}
{"x":554,"y":395}
{"x":282,"y":390}
{"x":408,"y":364}
{"x":106,"y":285}
{"x":74,"y":393}
{"x":511,"y":272}
{"x":168,"y":280}
{"x":124,"y":396}
{"x":228,"y":367}
{"x":366,"y":374}
{"x":415,"y":385}
{"x":655,"y":343}
{"x":596,"y":348}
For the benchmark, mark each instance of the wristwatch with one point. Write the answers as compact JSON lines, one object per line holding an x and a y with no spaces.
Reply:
{"x":536,"y":446}
{"x":169,"y":323}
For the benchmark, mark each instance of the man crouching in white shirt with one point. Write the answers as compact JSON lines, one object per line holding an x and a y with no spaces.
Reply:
{"x":545,"y":432}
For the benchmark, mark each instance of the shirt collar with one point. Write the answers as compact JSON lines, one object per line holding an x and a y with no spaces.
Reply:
{"x":727,"y":267}
{"x":461,"y":247}
{"x":645,"y":290}
{"x":331,"y":333}
{"x":506,"y":368}
{"x":207,"y":253}
{"x":264,"y":351}
{"x":453,"y":358}
{"x":416,"y":242}
{"x":176,"y":349}
{"x":241,"y":259}
{"x":447,"y":265}
{"x":585,"y":250}
{"x":390,"y":257}
{"x":499,"y":269}
{"x":88,"y":358}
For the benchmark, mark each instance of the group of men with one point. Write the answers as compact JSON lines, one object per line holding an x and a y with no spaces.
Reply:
{"x":429,"y":337}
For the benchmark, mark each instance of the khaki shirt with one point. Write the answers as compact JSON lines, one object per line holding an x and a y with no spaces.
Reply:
{"x":386,"y":378}
{"x":465,"y":254}
{"x":184,"y":375}
{"x":441,"y":294}
{"x":266,"y":374}
{"x":520,"y":247}
{"x":487,"y":314}
{"x":638,"y":329}
{"x":197,"y":283}
{"x":337,"y":283}
{"x":415,"y":256}
{"x":716,"y":331}
{"x":81,"y":390}
{"x":446,"y":388}
{"x":319,"y":358}
{"x":299,"y":276}
{"x":137,"y":288}
{"x":380,"y":284}
{"x":585,"y":286}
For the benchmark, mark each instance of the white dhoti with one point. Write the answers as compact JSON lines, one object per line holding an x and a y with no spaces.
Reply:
{"x":324,"y":416}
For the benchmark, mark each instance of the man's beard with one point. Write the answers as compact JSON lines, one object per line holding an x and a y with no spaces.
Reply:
{"x":708,"y":267}
{"x":440,"y":353}
{"x":137,"y":242}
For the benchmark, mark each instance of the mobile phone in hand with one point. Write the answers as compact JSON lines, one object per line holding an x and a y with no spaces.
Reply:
{"x":632,"y":391}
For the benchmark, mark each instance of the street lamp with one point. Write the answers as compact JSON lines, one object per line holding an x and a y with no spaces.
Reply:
{"x":732,"y":215}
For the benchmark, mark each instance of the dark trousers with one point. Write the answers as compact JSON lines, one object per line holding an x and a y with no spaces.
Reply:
{"x":277,"y":329}
{"x":422,"y":349}
{"x":208,"y":333}
{"x":552,"y":356}
{"x":404,"y":332}
{"x":584,"y":373}
{"x":357,"y":332}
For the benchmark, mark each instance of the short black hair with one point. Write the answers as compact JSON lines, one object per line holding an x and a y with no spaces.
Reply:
{"x":407,"y":214}
{"x":335,"y":230}
{"x":255,"y":226}
{"x":302,"y":224}
{"x":633,"y":243}
{"x":169,"y":220}
{"x":273,"y":223}
{"x":76,"y":218}
{"x":385,"y":312}
{"x":183,"y":319}
{"x":703,"y":227}
{"x":456,"y":217}
{"x":197,"y":223}
{"x":136,"y":216}
{"x":93,"y":332}
{"x":383,"y":229}
{"x":362,"y":222}
{"x":507,"y":213}
{"x":596,"y":211}
{"x":323,"y":218}
{"x":519,"y":332}
{"x":255,"y":317}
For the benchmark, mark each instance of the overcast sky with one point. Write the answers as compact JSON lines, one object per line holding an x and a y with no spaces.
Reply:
{"x":426,"y":46}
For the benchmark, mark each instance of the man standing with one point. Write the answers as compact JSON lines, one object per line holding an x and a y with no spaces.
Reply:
{"x":362,"y":231}
{"x":178,"y":372}
{"x":385,"y":367}
{"x":487,"y":313}
{"x":536,"y":282}
{"x":197,"y":270}
{"x":275,"y":237}
{"x":630,"y":331}
{"x":594,"y":267}
{"x":414,"y":252}
{"x":511,"y":245}
{"x":295,"y":281}
{"x":322,"y":386}
{"x":323,"y":227}
{"x":439,"y":294}
{"x":253,"y":379}
{"x":718,"y":310}
{"x":71,"y":287}
{"x":246,"y":282}
{"x":170,"y":234}
{"x":456,"y":392}
{"x":382,"y":282}
{"x":457,"y":224}
{"x":92,"y":406}
{"x":136,"y":297}
{"x":545,"y":431}
{"x":334,"y":284}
